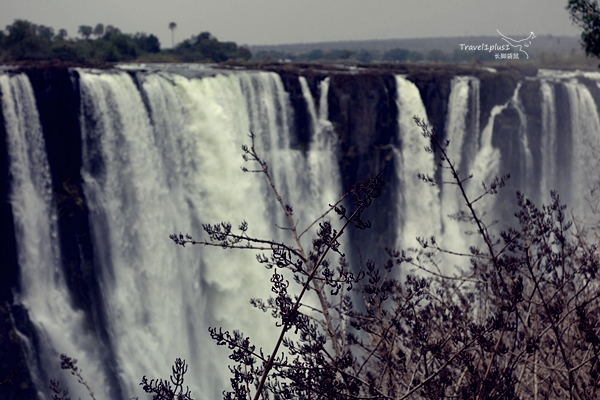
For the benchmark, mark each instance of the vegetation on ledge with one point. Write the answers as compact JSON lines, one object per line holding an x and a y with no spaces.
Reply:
{"x":25,"y":41}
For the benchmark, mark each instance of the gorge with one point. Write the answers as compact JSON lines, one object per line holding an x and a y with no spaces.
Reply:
{"x":98,"y":167}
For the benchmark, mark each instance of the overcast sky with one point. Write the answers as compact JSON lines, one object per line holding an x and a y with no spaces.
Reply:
{"x":257,"y":22}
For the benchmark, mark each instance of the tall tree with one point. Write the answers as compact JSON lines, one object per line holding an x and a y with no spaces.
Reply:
{"x":24,"y":42}
{"x":85,"y":31}
{"x":99,"y":30}
{"x":110,"y":29}
{"x":586,"y":14}
{"x":172,"y":26}
{"x":62,"y":33}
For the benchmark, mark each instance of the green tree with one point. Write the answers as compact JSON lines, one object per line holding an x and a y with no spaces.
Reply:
{"x":99,"y":30}
{"x":205,"y":47}
{"x":437,"y":55}
{"x":314,"y":55}
{"x":67,"y":50}
{"x":338,"y":54}
{"x":124,"y":45}
{"x":396,"y":55}
{"x":364,"y":56}
{"x":23,"y":41}
{"x":271,"y":55}
{"x":415,"y":56}
{"x":62,"y":34}
{"x":45,"y":32}
{"x":400,"y":55}
{"x":146,"y":43}
{"x":85,"y":31}
{"x":586,"y":14}
{"x":172,"y":26}
{"x":109,"y":30}
{"x":244,"y":53}
{"x":470,"y":56}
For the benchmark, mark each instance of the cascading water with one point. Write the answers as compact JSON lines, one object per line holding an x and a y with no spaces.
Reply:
{"x":174,"y":168}
{"x":161,"y":299}
{"x":419,"y":211}
{"x":60,"y":327}
{"x":549,"y":148}
{"x":525,"y":158}
{"x":462,"y":133}
{"x":322,"y":171}
{"x":585,"y":126}
{"x":161,"y":154}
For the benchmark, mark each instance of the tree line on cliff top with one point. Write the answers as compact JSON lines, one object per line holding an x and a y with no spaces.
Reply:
{"x":26,"y":41}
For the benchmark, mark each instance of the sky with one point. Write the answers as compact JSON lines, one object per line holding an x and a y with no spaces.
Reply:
{"x":259,"y":22}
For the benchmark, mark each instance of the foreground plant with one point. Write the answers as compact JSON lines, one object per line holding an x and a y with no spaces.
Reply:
{"x":535,"y":291}
{"x":314,"y":362}
{"x":520,"y":320}
{"x":69,"y":364}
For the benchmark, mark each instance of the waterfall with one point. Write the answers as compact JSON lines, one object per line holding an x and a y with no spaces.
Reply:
{"x":173,"y":166}
{"x":322,"y":171}
{"x":585,"y":125}
{"x":178,"y":166}
{"x":161,"y":154}
{"x":456,"y":122}
{"x":486,"y":164}
{"x":462,"y":132}
{"x":61,"y":328}
{"x":525,"y":157}
{"x":549,"y":141}
{"x":419,"y":210}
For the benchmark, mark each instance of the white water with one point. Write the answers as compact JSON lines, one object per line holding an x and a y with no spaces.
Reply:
{"x":486,"y":165}
{"x":148,"y":175}
{"x":173,"y":163}
{"x":157,"y":179}
{"x":585,"y":125}
{"x":61,"y":327}
{"x":549,"y":142}
{"x":525,"y":157}
{"x":456,"y":121}
{"x":462,"y":132}
{"x":322,"y":169}
{"x":419,"y":210}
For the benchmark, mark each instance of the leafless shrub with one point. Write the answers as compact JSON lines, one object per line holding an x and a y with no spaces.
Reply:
{"x":520,"y":320}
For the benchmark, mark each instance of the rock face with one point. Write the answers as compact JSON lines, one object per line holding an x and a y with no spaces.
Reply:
{"x":57,"y":96}
{"x":533,"y":132}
